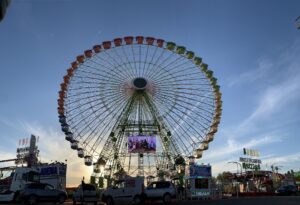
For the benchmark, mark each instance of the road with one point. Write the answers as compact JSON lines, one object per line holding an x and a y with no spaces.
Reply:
{"x":275,"y":200}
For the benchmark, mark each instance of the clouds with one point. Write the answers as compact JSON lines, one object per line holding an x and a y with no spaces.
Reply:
{"x":253,"y":74}
{"x":275,"y":103}
{"x":53,"y":147}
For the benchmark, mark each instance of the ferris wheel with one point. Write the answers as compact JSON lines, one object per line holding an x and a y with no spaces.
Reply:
{"x":139,"y":105}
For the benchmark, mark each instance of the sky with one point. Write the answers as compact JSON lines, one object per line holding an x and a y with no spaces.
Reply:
{"x":253,"y":47}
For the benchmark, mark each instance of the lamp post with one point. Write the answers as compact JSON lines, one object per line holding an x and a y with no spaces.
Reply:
{"x":237,"y":170}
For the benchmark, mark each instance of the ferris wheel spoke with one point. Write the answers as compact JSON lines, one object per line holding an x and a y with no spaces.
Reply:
{"x":144,"y":61}
{"x":94,"y":76}
{"x":204,"y":99}
{"x":169,"y":97}
{"x":175,"y":122}
{"x":185,"y":132}
{"x":120,"y":64}
{"x":124,"y":66}
{"x":154,"y":62}
{"x":98,"y":108}
{"x":167,"y":68}
{"x":91,"y":69}
{"x":184,"y":94}
{"x":183,"y":116}
{"x":99,"y":123}
{"x":180,"y":75}
{"x":86,"y":102}
{"x":188,"y":109}
{"x":134,"y":61}
{"x":128,"y":61}
{"x":177,"y":140}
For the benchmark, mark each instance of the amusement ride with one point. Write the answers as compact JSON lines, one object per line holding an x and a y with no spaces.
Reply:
{"x":139,"y":106}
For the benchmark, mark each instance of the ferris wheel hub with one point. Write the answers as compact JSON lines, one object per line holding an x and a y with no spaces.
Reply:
{"x":139,"y":83}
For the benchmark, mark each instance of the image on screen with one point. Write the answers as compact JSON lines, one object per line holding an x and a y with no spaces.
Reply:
{"x":141,"y":144}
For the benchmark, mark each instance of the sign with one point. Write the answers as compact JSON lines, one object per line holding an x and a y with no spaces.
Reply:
{"x":199,"y":170}
{"x":251,"y":166}
{"x":251,"y":152}
{"x":249,"y":160}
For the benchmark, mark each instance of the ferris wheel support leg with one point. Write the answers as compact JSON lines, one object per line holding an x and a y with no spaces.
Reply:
{"x":140,"y":164}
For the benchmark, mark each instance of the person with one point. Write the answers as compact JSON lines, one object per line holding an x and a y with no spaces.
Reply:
{"x":180,"y":191}
{"x":82,"y":188}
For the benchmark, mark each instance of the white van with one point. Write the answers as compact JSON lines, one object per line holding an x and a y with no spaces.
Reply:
{"x":127,"y":191}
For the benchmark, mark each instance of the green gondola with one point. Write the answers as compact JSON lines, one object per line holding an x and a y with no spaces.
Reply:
{"x":170,"y":46}
{"x":180,"y":50}
{"x":209,"y":73}
{"x":190,"y":54}
{"x":213,"y":81}
{"x":197,"y":60}
{"x":204,"y":67}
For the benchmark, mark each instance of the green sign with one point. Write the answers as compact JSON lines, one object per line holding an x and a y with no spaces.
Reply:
{"x":251,"y":166}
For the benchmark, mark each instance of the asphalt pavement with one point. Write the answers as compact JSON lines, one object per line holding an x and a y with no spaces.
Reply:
{"x":273,"y":200}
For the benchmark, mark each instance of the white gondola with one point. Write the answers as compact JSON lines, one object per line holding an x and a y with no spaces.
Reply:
{"x":69,"y":136}
{"x":65,"y":128}
{"x":74,"y":144}
{"x":205,"y":146}
{"x":88,"y":160}
{"x":80,"y":152}
{"x":96,"y":168}
{"x":198,"y":153}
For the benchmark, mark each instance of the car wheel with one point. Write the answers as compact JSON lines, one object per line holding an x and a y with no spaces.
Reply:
{"x":32,"y":199}
{"x":16,"y":197}
{"x":109,"y":201}
{"x":61,"y":199}
{"x":137,"y":200}
{"x":167,"y":198}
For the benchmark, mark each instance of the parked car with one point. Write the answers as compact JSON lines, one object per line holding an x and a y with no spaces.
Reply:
{"x":85,"y":193}
{"x":42,"y":192}
{"x":162,"y":190}
{"x":131,"y":191}
{"x":125,"y":191}
{"x":287,"y":190}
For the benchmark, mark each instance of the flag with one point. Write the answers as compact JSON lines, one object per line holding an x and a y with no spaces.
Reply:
{"x":23,"y":141}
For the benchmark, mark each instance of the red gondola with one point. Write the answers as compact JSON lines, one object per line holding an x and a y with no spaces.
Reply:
{"x":60,"y":111}
{"x":88,"y":53}
{"x":80,"y":58}
{"x":63,"y":86}
{"x":60,"y":102}
{"x":97,"y":48}
{"x":118,"y":41}
{"x":66,"y":79}
{"x":160,"y":42}
{"x":150,"y":40}
{"x":61,"y":94}
{"x":139,"y":39}
{"x":128,"y":40}
{"x":74,"y":65}
{"x":70,"y":71}
{"x":106,"y":44}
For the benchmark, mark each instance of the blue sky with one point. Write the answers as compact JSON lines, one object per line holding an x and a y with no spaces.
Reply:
{"x":253,"y":48}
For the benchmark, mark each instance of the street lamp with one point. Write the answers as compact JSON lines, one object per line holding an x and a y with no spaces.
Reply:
{"x":237,"y":170}
{"x":237,"y":166}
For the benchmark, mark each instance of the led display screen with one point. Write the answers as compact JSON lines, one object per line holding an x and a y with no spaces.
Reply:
{"x":141,"y":144}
